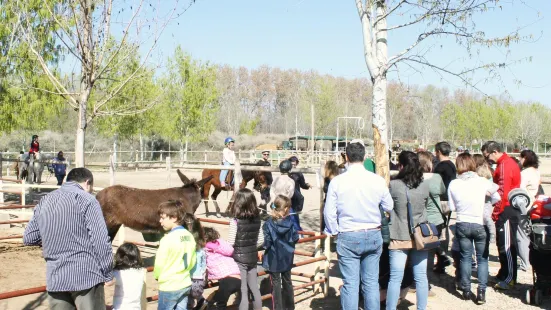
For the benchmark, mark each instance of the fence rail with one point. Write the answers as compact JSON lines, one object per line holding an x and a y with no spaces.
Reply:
{"x":319,"y":277}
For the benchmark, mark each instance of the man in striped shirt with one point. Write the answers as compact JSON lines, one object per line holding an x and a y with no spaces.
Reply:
{"x":68,"y":223}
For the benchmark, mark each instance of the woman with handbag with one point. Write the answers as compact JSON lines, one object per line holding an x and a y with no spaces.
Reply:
{"x":467,"y":196}
{"x":435,"y":214}
{"x":410,"y":195}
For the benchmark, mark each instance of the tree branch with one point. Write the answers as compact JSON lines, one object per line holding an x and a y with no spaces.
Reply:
{"x":106,"y":31}
{"x":123,"y":40}
{"x":368,"y":39}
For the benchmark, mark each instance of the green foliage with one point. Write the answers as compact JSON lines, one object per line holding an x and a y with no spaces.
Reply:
{"x":190,"y":103}
{"x":129,"y":112}
{"x":248,"y":127}
{"x":323,"y":95}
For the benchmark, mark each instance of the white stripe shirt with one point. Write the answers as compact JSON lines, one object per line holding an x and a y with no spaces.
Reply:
{"x":69,"y":225}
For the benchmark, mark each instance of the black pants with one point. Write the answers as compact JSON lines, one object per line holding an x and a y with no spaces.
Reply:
{"x":226,"y":287}
{"x":283,"y":297}
{"x":59,"y":178}
{"x":506,"y":237}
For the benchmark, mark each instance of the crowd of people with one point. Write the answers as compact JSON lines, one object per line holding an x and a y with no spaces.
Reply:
{"x":69,"y":225}
{"x":382,"y":231}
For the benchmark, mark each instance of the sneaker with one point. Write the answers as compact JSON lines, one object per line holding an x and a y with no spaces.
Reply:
{"x":502,"y":285}
{"x":468,"y":295}
{"x":481,"y":297}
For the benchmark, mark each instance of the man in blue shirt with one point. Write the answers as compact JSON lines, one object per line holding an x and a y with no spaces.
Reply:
{"x":68,"y":223}
{"x":352,"y":214}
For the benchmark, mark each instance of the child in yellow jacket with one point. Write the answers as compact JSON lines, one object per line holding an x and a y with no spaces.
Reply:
{"x":175,"y":258}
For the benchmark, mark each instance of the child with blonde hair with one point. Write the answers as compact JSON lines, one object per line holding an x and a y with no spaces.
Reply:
{"x":280,"y":237}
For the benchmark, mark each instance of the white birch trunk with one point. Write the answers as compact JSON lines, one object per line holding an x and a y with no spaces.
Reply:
{"x":376,"y":58}
{"x":81,"y":129}
{"x":115,"y":149}
{"x":141,"y":147}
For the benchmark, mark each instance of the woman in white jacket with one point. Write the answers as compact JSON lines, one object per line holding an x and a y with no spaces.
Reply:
{"x":467,"y":195}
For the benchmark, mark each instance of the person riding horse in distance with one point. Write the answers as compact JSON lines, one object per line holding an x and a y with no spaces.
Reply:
{"x":35,"y":146}
{"x":228,"y":159}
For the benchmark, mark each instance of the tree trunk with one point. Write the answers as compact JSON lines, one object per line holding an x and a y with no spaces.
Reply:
{"x":81,"y":131}
{"x":380,"y":130}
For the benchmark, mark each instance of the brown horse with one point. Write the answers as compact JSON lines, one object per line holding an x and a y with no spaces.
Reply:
{"x":137,"y":208}
{"x":258,"y":176}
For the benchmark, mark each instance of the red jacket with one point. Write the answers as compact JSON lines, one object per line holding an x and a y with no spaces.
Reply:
{"x":35,"y":147}
{"x":507,"y":177}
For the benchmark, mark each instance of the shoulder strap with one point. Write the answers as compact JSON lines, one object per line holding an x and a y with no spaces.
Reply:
{"x":410,"y":215}
{"x":438,"y":207}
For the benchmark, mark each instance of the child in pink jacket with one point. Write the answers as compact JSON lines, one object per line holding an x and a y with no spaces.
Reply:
{"x":221,"y":267}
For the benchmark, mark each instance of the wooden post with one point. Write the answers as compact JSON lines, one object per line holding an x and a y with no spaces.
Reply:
{"x":168,"y":171}
{"x":321,"y":179}
{"x":111,"y":171}
{"x":137,"y":159}
{"x":1,"y":165}
{"x":1,"y":193}
{"x":237,"y":176}
{"x":313,"y":139}
{"x":327,"y":253}
{"x":161,"y":158}
{"x":23,"y":193}
{"x":205,"y":156}
{"x":317,"y":253}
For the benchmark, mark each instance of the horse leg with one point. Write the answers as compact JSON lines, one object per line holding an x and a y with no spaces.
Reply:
{"x":205,"y":196}
{"x":215,"y":194}
{"x":112,"y":232}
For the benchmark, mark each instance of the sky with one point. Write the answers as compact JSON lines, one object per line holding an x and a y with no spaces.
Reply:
{"x":326,"y":36}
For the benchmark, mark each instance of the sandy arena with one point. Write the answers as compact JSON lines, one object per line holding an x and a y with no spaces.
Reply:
{"x":24,"y":267}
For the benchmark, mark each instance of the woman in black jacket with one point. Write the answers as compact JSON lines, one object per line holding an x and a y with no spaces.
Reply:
{"x":280,"y":237}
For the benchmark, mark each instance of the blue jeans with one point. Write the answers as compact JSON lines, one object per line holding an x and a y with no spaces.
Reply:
{"x":358,"y":255}
{"x":174,"y":300}
{"x":295,"y":220}
{"x":418,"y":259}
{"x":466,"y":234}
{"x":224,"y":173}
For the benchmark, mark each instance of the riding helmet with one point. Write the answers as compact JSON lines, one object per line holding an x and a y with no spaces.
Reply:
{"x":294,"y":159}
{"x":228,"y":140}
{"x":285,"y":166}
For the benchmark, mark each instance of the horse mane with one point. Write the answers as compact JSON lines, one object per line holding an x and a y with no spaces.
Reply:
{"x":192,"y":183}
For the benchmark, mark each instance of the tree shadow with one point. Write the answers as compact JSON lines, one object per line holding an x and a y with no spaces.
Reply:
{"x":39,"y":301}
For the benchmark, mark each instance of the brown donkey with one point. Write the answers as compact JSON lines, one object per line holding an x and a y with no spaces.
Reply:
{"x":137,"y":208}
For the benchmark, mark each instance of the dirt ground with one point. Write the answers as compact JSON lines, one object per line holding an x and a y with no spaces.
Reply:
{"x":23,"y":267}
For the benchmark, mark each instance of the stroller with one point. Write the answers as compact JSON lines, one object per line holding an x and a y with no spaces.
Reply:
{"x":540,"y":250}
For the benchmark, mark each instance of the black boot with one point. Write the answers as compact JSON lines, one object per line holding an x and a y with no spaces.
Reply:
{"x":468,"y":295}
{"x":481,"y":297}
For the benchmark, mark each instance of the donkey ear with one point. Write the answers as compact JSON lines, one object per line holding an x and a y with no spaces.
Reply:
{"x":184,"y":179}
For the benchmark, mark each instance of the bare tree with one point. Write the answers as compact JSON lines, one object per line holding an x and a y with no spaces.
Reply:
{"x":98,"y":37}
{"x":440,"y":18}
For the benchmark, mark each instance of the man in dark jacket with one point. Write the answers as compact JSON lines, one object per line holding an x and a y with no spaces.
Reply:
{"x":446,"y":169}
{"x":298,"y":199}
